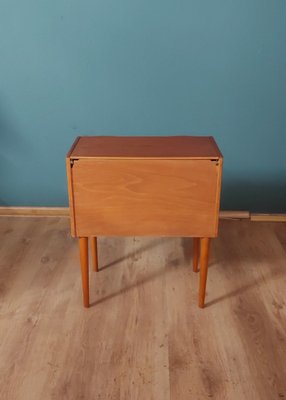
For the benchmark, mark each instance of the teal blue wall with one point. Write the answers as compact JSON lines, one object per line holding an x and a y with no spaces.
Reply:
{"x":151,"y":67}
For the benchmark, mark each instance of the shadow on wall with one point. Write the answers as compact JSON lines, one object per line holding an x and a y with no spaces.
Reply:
{"x":261,"y":196}
{"x":13,"y":148}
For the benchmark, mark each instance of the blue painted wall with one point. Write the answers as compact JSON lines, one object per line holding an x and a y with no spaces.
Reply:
{"x":203,"y":67}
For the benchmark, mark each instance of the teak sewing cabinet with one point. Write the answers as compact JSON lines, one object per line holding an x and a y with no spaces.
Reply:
{"x":144,"y":186}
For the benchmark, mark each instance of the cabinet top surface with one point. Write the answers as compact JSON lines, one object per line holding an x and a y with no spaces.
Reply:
{"x":199,"y":147}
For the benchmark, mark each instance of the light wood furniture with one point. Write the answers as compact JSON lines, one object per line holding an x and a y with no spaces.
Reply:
{"x":144,"y":186}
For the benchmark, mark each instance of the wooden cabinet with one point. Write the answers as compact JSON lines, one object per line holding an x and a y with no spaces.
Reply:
{"x":149,"y":186}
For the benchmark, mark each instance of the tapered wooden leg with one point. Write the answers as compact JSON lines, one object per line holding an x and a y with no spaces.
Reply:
{"x":93,"y":244}
{"x":204,"y":259}
{"x":196,"y":254}
{"x":83,"y":248}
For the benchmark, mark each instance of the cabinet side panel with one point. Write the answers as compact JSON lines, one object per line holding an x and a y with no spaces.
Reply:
{"x":71,"y":196}
{"x":218,"y":195}
{"x":145,"y":197}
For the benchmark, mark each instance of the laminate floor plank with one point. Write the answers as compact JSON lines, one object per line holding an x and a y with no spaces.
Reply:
{"x":144,"y":336}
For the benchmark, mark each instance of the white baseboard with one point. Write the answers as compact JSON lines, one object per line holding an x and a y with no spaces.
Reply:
{"x":64,"y":212}
{"x":35,"y":211}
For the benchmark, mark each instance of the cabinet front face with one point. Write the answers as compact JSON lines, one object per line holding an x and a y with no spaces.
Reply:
{"x":145,"y":197}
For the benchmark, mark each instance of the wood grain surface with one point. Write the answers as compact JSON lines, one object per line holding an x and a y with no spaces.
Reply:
{"x":143,"y":338}
{"x":145,"y":147}
{"x":146,"y":197}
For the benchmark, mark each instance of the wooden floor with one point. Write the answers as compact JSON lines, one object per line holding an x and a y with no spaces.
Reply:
{"x":144,"y":336}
